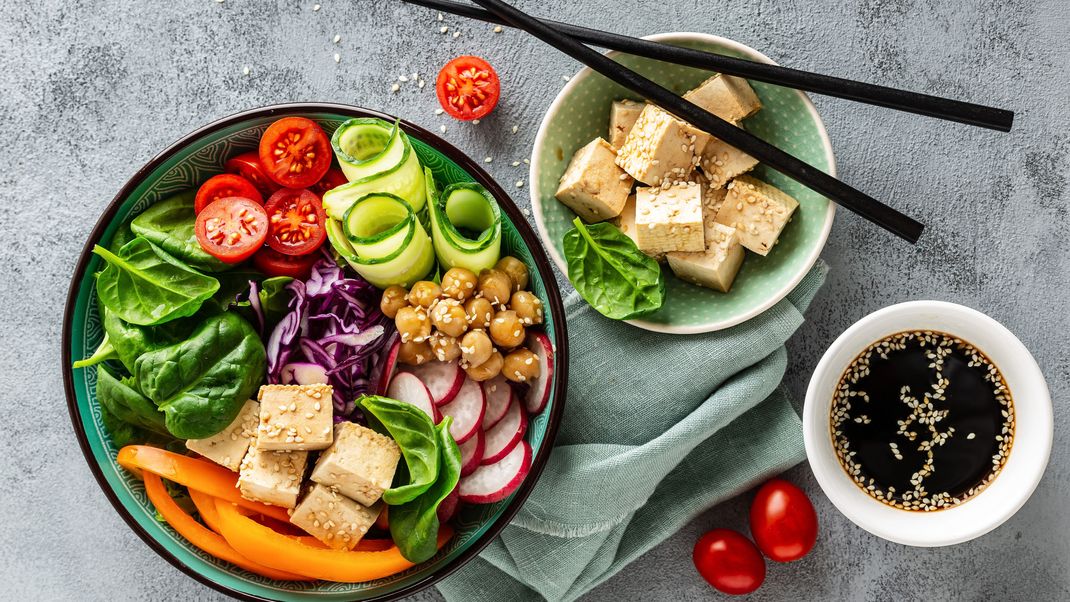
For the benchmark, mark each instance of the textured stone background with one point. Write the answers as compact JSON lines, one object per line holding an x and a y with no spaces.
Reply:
{"x":91,"y":89}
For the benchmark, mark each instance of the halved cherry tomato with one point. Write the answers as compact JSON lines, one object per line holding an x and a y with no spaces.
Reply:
{"x":232,"y":229}
{"x":332,"y":179}
{"x":247,"y":165}
{"x":222,"y":186}
{"x":467,"y":88}
{"x":298,"y":222}
{"x":273,"y":263}
{"x":295,"y":152}
{"x":729,"y":562}
{"x":783,"y":521}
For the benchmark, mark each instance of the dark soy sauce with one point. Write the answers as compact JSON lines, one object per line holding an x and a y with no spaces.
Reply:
{"x":922,"y":420}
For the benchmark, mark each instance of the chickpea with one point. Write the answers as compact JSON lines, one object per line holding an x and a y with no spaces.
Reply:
{"x":459,"y":283}
{"x":527,"y":306}
{"x":476,"y":347}
{"x":424,"y":293}
{"x":414,"y":354}
{"x":445,"y":347}
{"x":448,"y":317}
{"x":506,"y":330}
{"x":393,"y":300}
{"x":521,"y":366}
{"x":516,"y":270}
{"x":487,"y":370}
{"x":495,"y":286}
{"x":478,"y":311}
{"x":413,"y":324}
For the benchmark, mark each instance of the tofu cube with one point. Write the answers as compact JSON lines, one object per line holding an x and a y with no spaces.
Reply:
{"x":669,"y":219}
{"x":622,"y":116}
{"x":660,"y":148}
{"x":334,"y":519}
{"x":593,"y":186}
{"x":759,"y":211}
{"x":295,"y":417}
{"x":715,"y":267}
{"x":272,"y":477}
{"x":625,"y":222}
{"x":730,"y":98}
{"x":359,"y":464}
{"x":721,"y":162}
{"x":228,"y":447}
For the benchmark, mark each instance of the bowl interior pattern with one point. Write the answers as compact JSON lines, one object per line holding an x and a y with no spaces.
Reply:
{"x":787,"y":120}
{"x":186,"y":168}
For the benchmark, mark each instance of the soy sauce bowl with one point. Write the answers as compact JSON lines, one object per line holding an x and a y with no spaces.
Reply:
{"x":1010,"y":488}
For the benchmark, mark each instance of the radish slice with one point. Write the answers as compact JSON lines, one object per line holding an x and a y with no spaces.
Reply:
{"x":448,"y":507}
{"x":538,"y":394}
{"x":390,"y":364}
{"x":443,"y":379}
{"x":303,"y":374}
{"x":406,"y":387}
{"x":509,"y":431}
{"x":472,"y":453}
{"x":467,"y":410}
{"x":495,"y":482}
{"x":498,"y":394}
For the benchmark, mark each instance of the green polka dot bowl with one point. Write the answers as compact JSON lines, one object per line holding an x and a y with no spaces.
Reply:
{"x":787,"y":120}
{"x":186,"y":164}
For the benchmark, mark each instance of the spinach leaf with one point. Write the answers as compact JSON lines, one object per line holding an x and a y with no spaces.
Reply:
{"x":275,"y":299}
{"x":414,"y":525}
{"x":146,"y":286}
{"x":170,"y":225}
{"x":122,"y":236}
{"x":125,"y":403}
{"x":122,"y":433}
{"x":105,"y":351}
{"x":202,"y":382}
{"x":414,"y":433}
{"x":131,"y":340}
{"x":611,"y":273}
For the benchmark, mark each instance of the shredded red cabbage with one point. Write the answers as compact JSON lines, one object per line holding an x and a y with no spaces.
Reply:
{"x":335,"y":323}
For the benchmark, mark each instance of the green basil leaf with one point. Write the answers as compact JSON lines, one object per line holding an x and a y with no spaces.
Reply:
{"x":171,"y":225}
{"x":144,"y":285}
{"x":611,"y":273}
{"x":105,"y":351}
{"x":126,"y":403}
{"x":414,"y":525}
{"x":414,"y":433}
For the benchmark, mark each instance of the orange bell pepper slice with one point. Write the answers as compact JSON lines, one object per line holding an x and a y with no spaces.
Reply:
{"x":285,"y":553}
{"x":203,"y":538}
{"x":201,"y":475}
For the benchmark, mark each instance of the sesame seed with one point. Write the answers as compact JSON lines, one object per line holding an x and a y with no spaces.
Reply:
{"x":443,"y":29}
{"x":497,"y":29}
{"x":337,"y":58}
{"x":442,"y":129}
{"x":439,"y":111}
{"x":520,"y":183}
{"x":337,"y":38}
{"x":456,"y":34}
{"x":487,"y":159}
{"x":394,"y":87}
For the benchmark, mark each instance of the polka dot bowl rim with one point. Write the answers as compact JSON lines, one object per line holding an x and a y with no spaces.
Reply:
{"x":813,"y":251}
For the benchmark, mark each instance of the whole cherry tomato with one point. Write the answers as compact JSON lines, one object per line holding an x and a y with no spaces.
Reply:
{"x":728,"y":561}
{"x":783,"y":521}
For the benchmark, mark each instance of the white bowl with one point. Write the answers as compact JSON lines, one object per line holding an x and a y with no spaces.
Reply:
{"x":1011,"y":487}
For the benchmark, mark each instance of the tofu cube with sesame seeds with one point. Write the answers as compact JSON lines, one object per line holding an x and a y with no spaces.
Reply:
{"x":759,"y":212}
{"x":593,"y":185}
{"x":333,"y":518}
{"x":716,"y":266}
{"x":622,"y":116}
{"x":730,"y":98}
{"x":660,"y":149}
{"x":669,"y":219}
{"x":625,"y":222}
{"x":229,"y":446}
{"x":272,"y":477}
{"x":359,"y":464}
{"x":295,"y":417}
{"x":720,"y":162}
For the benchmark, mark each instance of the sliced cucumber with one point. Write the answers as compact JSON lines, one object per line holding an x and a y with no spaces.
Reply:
{"x":375,"y":156}
{"x":382,"y":240}
{"x":462,"y":212}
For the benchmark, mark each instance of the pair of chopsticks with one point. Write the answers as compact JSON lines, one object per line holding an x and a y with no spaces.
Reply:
{"x":566,"y":38}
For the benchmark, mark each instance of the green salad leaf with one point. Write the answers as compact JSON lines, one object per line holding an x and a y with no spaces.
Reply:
{"x":414,"y":433}
{"x":144,"y":285}
{"x":414,"y":525}
{"x":105,"y":351}
{"x":171,"y":225}
{"x":611,"y":273}
{"x":201,"y":383}
{"x":125,"y":403}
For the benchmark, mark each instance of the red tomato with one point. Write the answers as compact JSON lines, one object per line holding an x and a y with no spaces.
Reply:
{"x":247,"y":165}
{"x":298,"y":223}
{"x":222,"y":186}
{"x":295,"y":152}
{"x":273,"y":263}
{"x":783,"y":521}
{"x":232,"y":229}
{"x":729,"y":561}
{"x":333,"y":179}
{"x":467,"y":88}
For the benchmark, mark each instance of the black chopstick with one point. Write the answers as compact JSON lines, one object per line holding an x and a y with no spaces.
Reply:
{"x":882,"y":96}
{"x":848,"y":197}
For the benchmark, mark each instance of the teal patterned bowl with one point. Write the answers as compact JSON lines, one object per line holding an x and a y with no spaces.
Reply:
{"x":788,"y":120}
{"x":185,"y":164}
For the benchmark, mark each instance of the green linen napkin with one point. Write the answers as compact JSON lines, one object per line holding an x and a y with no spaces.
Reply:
{"x":657,"y":429}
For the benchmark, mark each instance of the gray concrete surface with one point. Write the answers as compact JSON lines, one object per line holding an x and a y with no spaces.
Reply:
{"x":91,"y":89}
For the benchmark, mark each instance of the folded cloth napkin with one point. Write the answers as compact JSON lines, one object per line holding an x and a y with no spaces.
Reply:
{"x":657,"y":428}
